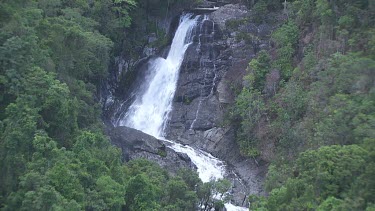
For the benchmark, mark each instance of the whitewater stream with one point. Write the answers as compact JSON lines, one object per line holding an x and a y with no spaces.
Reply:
{"x":149,"y":111}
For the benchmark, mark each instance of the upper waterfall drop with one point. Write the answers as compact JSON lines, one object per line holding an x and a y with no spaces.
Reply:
{"x":149,"y":112}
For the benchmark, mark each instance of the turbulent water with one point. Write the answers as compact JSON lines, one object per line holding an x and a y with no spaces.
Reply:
{"x":149,"y":112}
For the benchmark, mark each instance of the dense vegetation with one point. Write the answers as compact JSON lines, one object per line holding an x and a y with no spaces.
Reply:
{"x":320,"y":116}
{"x":54,"y":54}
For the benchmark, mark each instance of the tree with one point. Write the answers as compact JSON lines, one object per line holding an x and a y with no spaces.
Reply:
{"x":258,"y":68}
{"x":108,"y":194}
{"x":286,"y":38}
{"x":141,"y":194}
{"x":16,"y":142}
{"x":179,"y":195}
{"x":320,"y":175}
{"x":213,"y":194}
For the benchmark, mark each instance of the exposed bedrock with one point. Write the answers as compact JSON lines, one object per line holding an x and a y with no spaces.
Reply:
{"x":136,"y":144}
{"x":212,"y":70}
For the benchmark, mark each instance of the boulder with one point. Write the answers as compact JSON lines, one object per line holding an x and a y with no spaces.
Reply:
{"x":136,"y":144}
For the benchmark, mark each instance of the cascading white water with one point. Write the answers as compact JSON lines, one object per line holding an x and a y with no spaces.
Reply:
{"x":208,"y":166}
{"x":149,"y":112}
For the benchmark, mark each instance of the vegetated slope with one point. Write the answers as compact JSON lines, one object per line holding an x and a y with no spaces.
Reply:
{"x":53,"y":154}
{"x":308,"y":106}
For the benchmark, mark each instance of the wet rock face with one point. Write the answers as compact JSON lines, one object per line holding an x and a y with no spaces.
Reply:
{"x":136,"y":144}
{"x":212,"y":70}
{"x":201,"y":71}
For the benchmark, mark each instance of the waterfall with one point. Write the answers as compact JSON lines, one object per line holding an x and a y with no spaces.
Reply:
{"x":149,"y":111}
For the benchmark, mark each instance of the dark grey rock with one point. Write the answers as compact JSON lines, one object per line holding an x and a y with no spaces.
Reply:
{"x":149,"y":51}
{"x":136,"y":144}
{"x":264,"y":30}
{"x":212,"y":70}
{"x":228,"y":12}
{"x":272,"y":83}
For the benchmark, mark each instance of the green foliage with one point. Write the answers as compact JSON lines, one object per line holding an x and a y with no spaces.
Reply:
{"x":191,"y":178}
{"x":247,"y":37}
{"x":258,"y":68}
{"x":233,"y":24}
{"x":207,"y":192}
{"x":53,"y":153}
{"x":286,"y":34}
{"x":58,"y":175}
{"x":349,"y":100}
{"x":141,"y":194}
{"x":335,"y":109}
{"x":249,"y":109}
{"x":286,"y":38}
{"x":322,"y":180}
{"x":323,"y":11}
{"x":305,"y":9}
{"x":249,"y":106}
{"x":75,"y":47}
{"x":178,"y":195}
{"x":260,"y":10}
{"x":152,"y":188}
{"x":319,"y":124}
{"x":277,"y":175}
{"x":92,"y":176}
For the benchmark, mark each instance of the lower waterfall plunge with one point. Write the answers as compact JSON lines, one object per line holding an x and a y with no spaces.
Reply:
{"x":149,"y":111}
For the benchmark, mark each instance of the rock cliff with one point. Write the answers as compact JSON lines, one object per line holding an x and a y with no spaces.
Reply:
{"x":212,"y":70}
